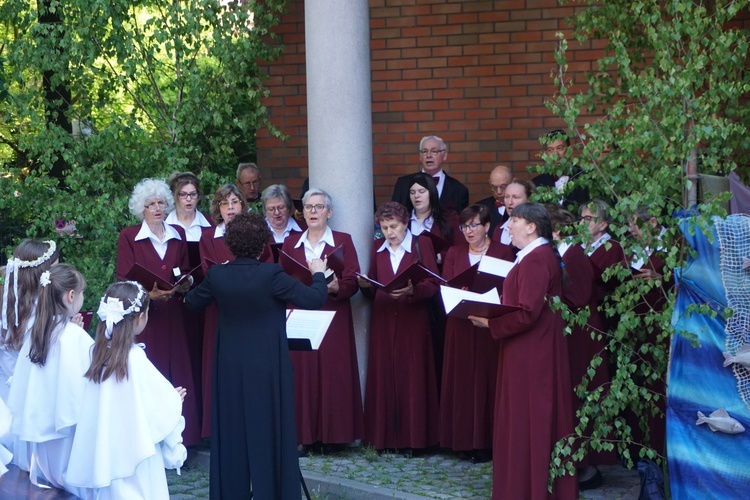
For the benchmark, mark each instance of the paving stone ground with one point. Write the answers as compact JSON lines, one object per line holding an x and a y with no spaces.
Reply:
{"x":361,"y":473}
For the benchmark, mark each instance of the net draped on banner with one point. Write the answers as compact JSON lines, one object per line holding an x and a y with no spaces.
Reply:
{"x":702,"y":463}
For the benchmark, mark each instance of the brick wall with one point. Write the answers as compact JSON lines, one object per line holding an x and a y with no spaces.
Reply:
{"x":475,"y":73}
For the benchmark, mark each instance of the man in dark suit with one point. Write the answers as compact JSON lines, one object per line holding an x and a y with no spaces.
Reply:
{"x":500,"y":177}
{"x":451,"y":193}
{"x":557,"y":142}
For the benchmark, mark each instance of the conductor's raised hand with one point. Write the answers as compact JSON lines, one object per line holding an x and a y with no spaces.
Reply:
{"x":317,"y":265}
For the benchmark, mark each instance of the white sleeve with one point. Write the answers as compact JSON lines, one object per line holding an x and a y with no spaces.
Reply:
{"x":173,"y":452}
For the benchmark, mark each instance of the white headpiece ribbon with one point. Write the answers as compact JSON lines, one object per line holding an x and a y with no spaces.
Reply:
{"x":111,"y":312}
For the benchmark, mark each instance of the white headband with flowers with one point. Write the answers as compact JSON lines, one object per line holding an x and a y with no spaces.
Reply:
{"x":14,"y":264}
{"x":112,"y":310}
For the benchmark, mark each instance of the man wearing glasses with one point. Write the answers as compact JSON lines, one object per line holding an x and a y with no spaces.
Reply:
{"x":451,"y":193}
{"x":500,"y":177}
{"x":248,"y":180}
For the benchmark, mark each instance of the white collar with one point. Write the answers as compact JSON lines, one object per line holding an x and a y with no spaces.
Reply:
{"x":198,"y":220}
{"x":327,"y":238}
{"x":405,"y":244}
{"x":599,"y":242}
{"x":563,"y":245}
{"x":145,"y":233}
{"x":291,"y":225}
{"x":531,"y":246}
{"x":220,"y":230}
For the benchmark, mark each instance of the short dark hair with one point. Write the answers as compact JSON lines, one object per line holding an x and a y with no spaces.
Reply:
{"x":468,"y":214}
{"x":247,"y":235}
{"x":556,"y":135}
{"x":392,"y":210}
{"x":536,"y":214}
{"x":559,"y":216}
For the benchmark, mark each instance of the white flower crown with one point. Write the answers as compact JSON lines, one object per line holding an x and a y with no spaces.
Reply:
{"x":14,"y":264}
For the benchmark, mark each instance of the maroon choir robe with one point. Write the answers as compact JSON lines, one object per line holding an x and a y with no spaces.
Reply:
{"x":577,"y":294}
{"x":467,"y":395}
{"x":655,"y":299}
{"x":327,"y":393}
{"x":508,"y":252}
{"x":532,"y":403}
{"x":401,"y":408}
{"x":165,"y":335}
{"x":216,"y":250}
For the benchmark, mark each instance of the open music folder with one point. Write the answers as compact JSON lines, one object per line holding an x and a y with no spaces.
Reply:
{"x":463,"y":303}
{"x":415,"y":272}
{"x":147,"y":279}
{"x":301,"y":272}
{"x":305,"y":330}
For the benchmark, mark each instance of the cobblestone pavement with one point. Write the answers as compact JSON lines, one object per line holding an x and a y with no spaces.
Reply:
{"x":362,"y":473}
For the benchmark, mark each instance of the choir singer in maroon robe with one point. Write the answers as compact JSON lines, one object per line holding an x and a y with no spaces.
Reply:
{"x":162,"y":249}
{"x":467,"y":394}
{"x":327,"y":394}
{"x":401,"y":409}
{"x":532,"y":403}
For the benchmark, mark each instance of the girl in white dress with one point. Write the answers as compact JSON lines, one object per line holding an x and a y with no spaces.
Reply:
{"x":131,"y":422}
{"x":19,"y":297}
{"x":47,"y":385}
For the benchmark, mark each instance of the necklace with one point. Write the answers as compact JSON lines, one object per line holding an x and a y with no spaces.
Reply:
{"x":483,"y":249}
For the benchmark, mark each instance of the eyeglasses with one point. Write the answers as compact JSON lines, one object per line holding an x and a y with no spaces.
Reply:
{"x":248,"y":184}
{"x":468,"y":227}
{"x":155,"y":205}
{"x":187,"y":196}
{"x":229,"y":203}
{"x":432,"y":152}
{"x":501,"y":187}
{"x":279,"y":209}
{"x":588,"y":218}
{"x":314,"y":208}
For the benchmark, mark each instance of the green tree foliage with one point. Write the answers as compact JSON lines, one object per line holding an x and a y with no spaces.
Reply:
{"x":155,"y":86}
{"x":668,"y":101}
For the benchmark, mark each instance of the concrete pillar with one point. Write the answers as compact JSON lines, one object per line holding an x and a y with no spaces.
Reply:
{"x":339,"y":123}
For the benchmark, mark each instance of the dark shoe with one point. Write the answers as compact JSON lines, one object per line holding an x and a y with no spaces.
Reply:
{"x":303,"y":451}
{"x":592,"y":483}
{"x":480,"y":456}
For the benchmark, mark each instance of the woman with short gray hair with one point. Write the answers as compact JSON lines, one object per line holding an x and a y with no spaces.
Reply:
{"x":161,"y":249}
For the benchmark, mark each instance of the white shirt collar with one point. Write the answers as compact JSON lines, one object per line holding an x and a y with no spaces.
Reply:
{"x":599,"y":242}
{"x":291,"y":225}
{"x":531,"y":246}
{"x":199,"y":220}
{"x":562,"y":246}
{"x":220,"y":230}
{"x":145,"y":232}
{"x":405,"y":244}
{"x":327,"y":237}
{"x":638,"y":263}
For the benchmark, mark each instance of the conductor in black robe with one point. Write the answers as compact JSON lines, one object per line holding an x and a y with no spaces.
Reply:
{"x":253,"y":433}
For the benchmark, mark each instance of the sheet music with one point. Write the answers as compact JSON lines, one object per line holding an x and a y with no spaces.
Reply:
{"x":311,"y":325}
{"x":495,"y":266}
{"x":453,"y":296}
